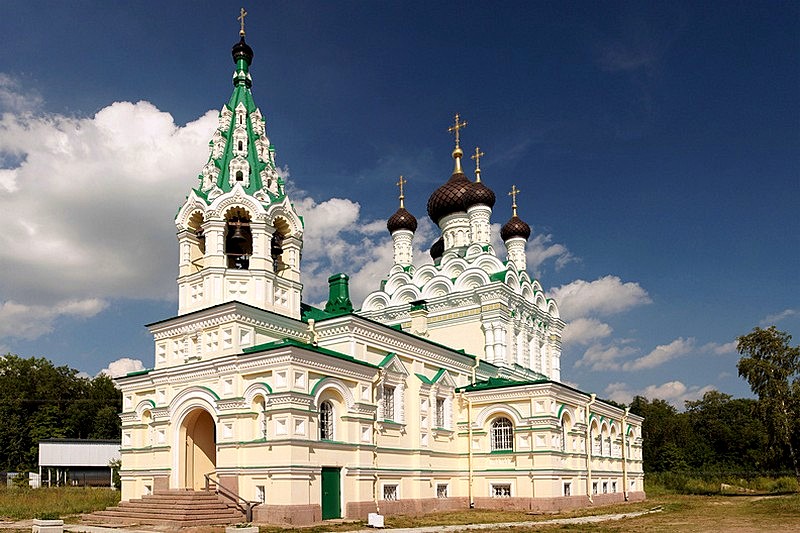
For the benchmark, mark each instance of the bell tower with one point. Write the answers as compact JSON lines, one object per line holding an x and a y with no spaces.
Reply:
{"x":239,"y":236}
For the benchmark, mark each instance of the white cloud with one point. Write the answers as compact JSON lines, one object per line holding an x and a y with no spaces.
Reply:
{"x":771,"y":320}
{"x":121,"y":367}
{"x":674,"y":392}
{"x":720,"y":349}
{"x":603,"y":296}
{"x":541,"y":248}
{"x":14,"y":99}
{"x":89,"y":206}
{"x":661,"y":354}
{"x":606,"y":357}
{"x":18,"y":320}
{"x":584,"y":331}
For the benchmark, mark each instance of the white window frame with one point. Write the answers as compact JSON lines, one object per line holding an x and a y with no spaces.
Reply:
{"x":327,"y":425}
{"x":441,"y":412}
{"x":442,"y":490}
{"x":567,"y":489}
{"x":389,"y":393}
{"x":500,"y":490}
{"x":502,"y":438}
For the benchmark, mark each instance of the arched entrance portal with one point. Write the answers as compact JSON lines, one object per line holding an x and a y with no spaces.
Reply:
{"x":199,"y":448}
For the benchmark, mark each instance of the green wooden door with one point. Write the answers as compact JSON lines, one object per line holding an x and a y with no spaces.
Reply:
{"x":331,"y":495}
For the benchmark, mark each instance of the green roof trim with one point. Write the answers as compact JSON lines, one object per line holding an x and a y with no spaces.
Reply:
{"x":497,"y":383}
{"x":138,"y":372}
{"x":423,"y":379}
{"x":310,"y":347}
{"x":498,"y":276}
{"x":386,"y":359}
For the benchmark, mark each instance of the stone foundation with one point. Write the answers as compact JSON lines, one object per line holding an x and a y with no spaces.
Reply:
{"x":295,"y":515}
{"x":560,"y":503}
{"x":360,"y":510}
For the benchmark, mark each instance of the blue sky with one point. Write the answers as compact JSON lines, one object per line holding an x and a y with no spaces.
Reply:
{"x":656,"y":147}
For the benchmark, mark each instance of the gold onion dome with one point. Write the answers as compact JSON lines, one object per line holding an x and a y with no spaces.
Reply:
{"x":401,"y":219}
{"x":437,"y":249}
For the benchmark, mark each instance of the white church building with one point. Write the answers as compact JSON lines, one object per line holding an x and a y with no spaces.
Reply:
{"x":443,"y":391}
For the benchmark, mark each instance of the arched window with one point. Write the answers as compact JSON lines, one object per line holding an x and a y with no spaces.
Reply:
{"x":241,"y":146}
{"x":326,"y":421}
{"x":502,"y":434}
{"x":239,"y":175}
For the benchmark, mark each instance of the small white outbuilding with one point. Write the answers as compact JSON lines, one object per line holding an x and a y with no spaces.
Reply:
{"x":79,"y":462}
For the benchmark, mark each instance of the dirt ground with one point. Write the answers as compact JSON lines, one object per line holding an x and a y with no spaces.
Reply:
{"x":690,"y":514}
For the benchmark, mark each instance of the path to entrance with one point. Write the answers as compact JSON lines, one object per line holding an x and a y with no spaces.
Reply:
{"x":556,"y":521}
{"x":80,"y":528}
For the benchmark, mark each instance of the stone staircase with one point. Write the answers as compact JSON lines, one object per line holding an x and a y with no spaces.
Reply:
{"x":175,"y":508}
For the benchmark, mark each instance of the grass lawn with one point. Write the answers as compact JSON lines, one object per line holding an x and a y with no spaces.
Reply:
{"x":685,"y":513}
{"x":21,"y":504}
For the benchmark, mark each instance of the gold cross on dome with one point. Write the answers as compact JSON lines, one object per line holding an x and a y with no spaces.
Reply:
{"x":513,"y":194}
{"x":402,"y":181}
{"x":477,"y":158}
{"x":457,"y":126}
{"x":240,"y":18}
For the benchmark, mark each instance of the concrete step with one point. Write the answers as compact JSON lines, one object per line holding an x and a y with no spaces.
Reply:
{"x":181,"y":508}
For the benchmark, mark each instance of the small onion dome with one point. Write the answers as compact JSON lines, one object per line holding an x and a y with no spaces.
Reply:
{"x":401,"y":219}
{"x":515,"y":227}
{"x":449,"y":198}
{"x":437,"y":249}
{"x":242,"y":50}
{"x":480,"y":194}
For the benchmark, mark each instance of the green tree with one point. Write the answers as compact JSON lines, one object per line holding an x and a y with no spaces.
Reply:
{"x":771,"y":367}
{"x":728,"y":433}
{"x":665,"y":435}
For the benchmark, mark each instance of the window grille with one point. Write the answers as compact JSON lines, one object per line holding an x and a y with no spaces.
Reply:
{"x":326,"y":421}
{"x":388,"y":402}
{"x":390,"y":492}
{"x":567,"y":489}
{"x":440,"y":421}
{"x":501,"y":490}
{"x":502,"y":434}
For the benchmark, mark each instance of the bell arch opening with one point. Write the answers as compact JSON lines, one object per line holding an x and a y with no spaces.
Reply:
{"x":198,"y":450}
{"x":197,"y":250}
{"x":276,"y":245}
{"x":238,"y":239}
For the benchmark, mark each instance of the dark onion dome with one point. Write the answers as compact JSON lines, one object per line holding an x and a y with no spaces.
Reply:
{"x":449,"y":198}
{"x":515,"y":227}
{"x":242,"y":50}
{"x":401,"y":219}
{"x":437,"y":249}
{"x":480,"y":194}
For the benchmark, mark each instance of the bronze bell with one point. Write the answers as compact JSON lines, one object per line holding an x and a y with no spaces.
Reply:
{"x":237,"y":234}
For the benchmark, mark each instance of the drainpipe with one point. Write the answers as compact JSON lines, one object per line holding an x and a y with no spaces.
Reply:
{"x":624,"y":457}
{"x":375,"y":385}
{"x":592,"y":399}
{"x":469,"y":448}
{"x":469,"y":432}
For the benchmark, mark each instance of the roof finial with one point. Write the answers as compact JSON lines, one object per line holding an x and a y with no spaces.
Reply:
{"x":457,"y":153}
{"x":240,"y":18}
{"x":513,"y":194}
{"x":402,"y":181}
{"x":477,"y":158}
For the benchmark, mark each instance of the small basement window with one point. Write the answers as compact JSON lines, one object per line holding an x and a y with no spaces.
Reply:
{"x":441,"y":490}
{"x":501,"y":490}
{"x":390,"y":492}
